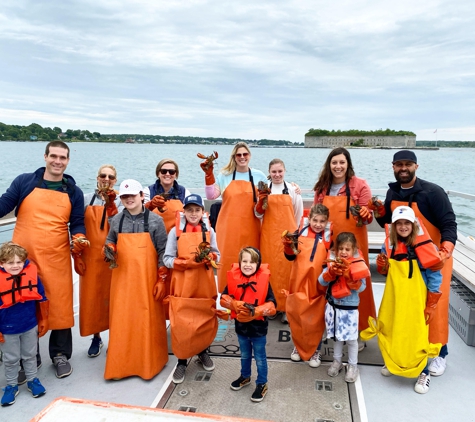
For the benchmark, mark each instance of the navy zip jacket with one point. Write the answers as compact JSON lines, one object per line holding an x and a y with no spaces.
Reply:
{"x":25,"y":183}
{"x":432,"y":201}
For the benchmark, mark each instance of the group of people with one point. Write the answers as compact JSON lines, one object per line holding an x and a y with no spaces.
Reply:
{"x":146,"y":255}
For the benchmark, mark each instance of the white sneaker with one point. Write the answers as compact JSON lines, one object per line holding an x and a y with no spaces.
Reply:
{"x":422,"y":384}
{"x":385,"y":372}
{"x":437,"y":366}
{"x":316,"y":359}
{"x":352,"y":373}
{"x":335,"y":368}
{"x":295,"y":355}
{"x":361,"y":345}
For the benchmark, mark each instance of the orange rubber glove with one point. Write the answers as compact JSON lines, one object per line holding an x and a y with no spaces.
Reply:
{"x":180,"y":264}
{"x":111,"y":207}
{"x":431,"y":305}
{"x":2,"y":339}
{"x":42,"y":314}
{"x":229,"y":303}
{"x":260,"y":202}
{"x":209,"y":176}
{"x":377,"y":207}
{"x":267,"y":309}
{"x":112,"y":250}
{"x":382,"y":264}
{"x":159,"y":290}
{"x":79,"y":264}
{"x":156,"y":202}
{"x":366,"y":214}
{"x":332,"y":273}
{"x":287,"y":248}
{"x":224,"y":315}
{"x":445,"y":251}
{"x":79,"y":243}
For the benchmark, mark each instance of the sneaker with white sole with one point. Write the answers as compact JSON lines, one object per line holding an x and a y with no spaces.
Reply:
{"x":95,"y":348}
{"x":295,"y":356}
{"x":437,"y":366}
{"x":361,"y":345}
{"x":179,"y":374}
{"x":62,"y":366}
{"x":352,"y":373}
{"x":335,"y":368}
{"x":316,"y":359}
{"x":208,"y":364}
{"x":10,"y":392}
{"x":422,"y":384}
{"x":240,"y":383}
{"x":259,"y":393}
{"x":385,"y":371}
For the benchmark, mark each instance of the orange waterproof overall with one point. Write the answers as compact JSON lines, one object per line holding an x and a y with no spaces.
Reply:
{"x":137,"y":333}
{"x":344,"y":222}
{"x":237,"y":226}
{"x":94,"y":285}
{"x":42,"y":229}
{"x":193,"y":294}
{"x":439,"y":326}
{"x":279,"y":216}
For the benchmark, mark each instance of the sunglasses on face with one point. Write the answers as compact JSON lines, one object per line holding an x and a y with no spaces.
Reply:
{"x":243,"y":154}
{"x":165,"y":171}
{"x":105,"y":176}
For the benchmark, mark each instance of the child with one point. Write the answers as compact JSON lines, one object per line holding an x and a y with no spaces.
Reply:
{"x":193,"y":290}
{"x":23,"y":317}
{"x":137,"y":328}
{"x":306,"y":299}
{"x":345,"y":278}
{"x":249,"y":296}
{"x":416,"y":288}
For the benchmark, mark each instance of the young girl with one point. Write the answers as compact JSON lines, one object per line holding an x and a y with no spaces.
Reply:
{"x":249,"y":296}
{"x":305,"y":302}
{"x":345,"y":278}
{"x":410,"y":297}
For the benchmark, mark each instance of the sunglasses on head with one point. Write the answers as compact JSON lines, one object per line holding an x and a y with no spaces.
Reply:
{"x":110,"y":176}
{"x":242,"y":154}
{"x":165,"y":171}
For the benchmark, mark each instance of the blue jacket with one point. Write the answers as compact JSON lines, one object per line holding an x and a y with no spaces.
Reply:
{"x":21,"y":317}
{"x":352,"y":300}
{"x":177,"y":191}
{"x":25,"y":183}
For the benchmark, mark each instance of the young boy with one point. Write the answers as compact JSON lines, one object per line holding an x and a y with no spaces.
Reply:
{"x":249,"y":296}
{"x":23,"y":317}
{"x":193,"y":290}
{"x":137,"y":329}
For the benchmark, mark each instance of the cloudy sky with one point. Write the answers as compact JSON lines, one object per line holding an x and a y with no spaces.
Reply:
{"x":240,"y":69}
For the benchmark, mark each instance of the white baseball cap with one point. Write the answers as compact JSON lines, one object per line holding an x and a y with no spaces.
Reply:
{"x":130,"y":187}
{"x":403,"y":213}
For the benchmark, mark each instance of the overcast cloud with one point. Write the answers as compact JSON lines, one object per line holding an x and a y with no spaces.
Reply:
{"x":240,"y":69}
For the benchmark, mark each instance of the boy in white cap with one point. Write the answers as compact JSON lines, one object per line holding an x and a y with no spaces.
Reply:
{"x":137,"y":331}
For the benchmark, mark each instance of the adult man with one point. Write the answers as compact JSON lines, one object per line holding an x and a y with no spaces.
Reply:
{"x":431,"y":204}
{"x":46,"y":202}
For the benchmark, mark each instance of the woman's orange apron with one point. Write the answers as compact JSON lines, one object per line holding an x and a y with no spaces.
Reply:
{"x":279,"y":216}
{"x":193,"y":294}
{"x":306,"y":300}
{"x":439,"y":326}
{"x":42,"y":229}
{"x":94,"y":285}
{"x":137,"y":330}
{"x":237,"y":226}
{"x":337,"y":206}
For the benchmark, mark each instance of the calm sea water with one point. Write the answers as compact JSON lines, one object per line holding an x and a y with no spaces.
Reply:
{"x":451,"y":168}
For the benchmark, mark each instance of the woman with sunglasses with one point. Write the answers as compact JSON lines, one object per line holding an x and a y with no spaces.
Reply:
{"x":95,"y":275}
{"x":167,"y":174}
{"x":237,"y":226}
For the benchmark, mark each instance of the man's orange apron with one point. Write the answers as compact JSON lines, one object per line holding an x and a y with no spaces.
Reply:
{"x":279,"y":216}
{"x":42,"y":229}
{"x":193,"y":294}
{"x":439,"y":326}
{"x":137,"y":330}
{"x":306,"y":300}
{"x":94,"y":285}
{"x":237,"y":226}
{"x":345,"y":223}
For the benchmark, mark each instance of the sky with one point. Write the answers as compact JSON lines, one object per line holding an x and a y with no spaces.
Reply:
{"x":240,"y":69}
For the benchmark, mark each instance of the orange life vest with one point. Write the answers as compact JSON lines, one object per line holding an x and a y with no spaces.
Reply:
{"x":251,"y":290}
{"x":19,"y":288}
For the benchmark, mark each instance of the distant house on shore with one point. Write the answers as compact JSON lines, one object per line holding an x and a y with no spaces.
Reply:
{"x":130,"y":141}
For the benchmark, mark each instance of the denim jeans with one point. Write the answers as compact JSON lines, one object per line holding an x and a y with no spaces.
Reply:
{"x":247,"y":345}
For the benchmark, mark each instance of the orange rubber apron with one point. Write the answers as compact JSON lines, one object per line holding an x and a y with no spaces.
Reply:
{"x":172,"y":205}
{"x":137,"y":330}
{"x":193,"y":294}
{"x":337,"y":206}
{"x":42,"y":229}
{"x":94,"y":285}
{"x":279,"y":216}
{"x":439,"y":326}
{"x":306,"y":300}
{"x":237,"y":226}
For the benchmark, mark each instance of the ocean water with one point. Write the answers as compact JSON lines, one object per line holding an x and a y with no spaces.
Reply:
{"x":451,"y":168}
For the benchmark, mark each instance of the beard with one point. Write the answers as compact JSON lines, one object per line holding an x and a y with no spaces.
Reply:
{"x":406,"y":178}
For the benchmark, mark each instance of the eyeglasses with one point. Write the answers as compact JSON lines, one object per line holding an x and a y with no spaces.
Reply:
{"x":165,"y":171}
{"x":128,"y":196}
{"x":243,"y":154}
{"x":105,"y":176}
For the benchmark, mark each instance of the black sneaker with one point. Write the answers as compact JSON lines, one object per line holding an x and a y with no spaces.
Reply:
{"x":96,"y":346}
{"x":179,"y":374}
{"x":259,"y":392}
{"x":240,"y":382}
{"x":63,"y":367}
{"x":208,"y":364}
